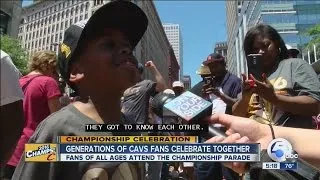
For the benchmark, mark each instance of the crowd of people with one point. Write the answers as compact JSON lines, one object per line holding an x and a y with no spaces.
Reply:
{"x":96,"y":60}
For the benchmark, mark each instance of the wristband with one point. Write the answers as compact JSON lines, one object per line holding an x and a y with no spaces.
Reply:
{"x":272,"y":131}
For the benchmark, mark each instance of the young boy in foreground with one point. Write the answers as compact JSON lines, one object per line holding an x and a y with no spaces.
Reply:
{"x":96,"y":60}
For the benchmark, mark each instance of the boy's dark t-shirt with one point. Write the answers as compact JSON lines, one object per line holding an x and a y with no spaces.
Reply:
{"x":68,"y":122}
{"x":136,"y":101}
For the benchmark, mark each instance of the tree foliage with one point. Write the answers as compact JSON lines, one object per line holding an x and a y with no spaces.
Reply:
{"x":314,"y":33}
{"x":14,"y":49}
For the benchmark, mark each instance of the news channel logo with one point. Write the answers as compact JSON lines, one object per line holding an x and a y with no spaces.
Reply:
{"x":281,"y":150}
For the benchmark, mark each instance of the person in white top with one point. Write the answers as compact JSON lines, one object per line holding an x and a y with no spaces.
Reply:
{"x":11,"y":113}
{"x":178,"y":88}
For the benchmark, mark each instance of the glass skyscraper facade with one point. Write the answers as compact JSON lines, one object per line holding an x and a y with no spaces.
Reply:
{"x":290,"y":18}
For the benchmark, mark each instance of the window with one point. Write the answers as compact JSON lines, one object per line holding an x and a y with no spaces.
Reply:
{"x":56,"y":38}
{"x":72,"y":10}
{"x":60,"y":38}
{"x":66,"y":24}
{"x":62,"y":14}
{"x":87,"y":6}
{"x":61,"y":25}
{"x":76,"y":19}
{"x":77,"y":10}
{"x":57,"y":27}
{"x":49,"y":30}
{"x":67,"y":13}
{"x":52,"y":30}
{"x":80,"y":18}
{"x":40,"y":32}
{"x":81,"y":9}
{"x":86,"y":16}
{"x":58,"y":16}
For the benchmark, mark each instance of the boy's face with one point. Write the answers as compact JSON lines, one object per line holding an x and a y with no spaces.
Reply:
{"x":107,"y":63}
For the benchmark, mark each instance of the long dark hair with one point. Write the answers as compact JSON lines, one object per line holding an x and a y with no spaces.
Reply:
{"x":266,"y":31}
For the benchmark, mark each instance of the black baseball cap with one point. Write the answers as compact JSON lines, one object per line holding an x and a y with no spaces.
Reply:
{"x":123,"y":15}
{"x":214,"y":57}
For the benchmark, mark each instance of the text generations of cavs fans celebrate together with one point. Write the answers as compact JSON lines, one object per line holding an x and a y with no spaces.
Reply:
{"x":139,"y":148}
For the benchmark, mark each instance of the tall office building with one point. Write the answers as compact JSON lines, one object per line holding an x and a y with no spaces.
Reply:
{"x":44,"y":22}
{"x":173,"y":32}
{"x":221,"y":48}
{"x":10,"y":17}
{"x":233,"y":10}
{"x":186,"y":79}
{"x":290,"y":18}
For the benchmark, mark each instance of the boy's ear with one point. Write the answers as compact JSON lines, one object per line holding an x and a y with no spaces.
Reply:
{"x":76,"y":73}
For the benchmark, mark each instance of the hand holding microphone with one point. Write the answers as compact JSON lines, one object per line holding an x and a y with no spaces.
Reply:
{"x":240,"y":130}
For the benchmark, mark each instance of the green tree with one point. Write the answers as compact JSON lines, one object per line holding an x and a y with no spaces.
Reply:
{"x":18,"y":54}
{"x":314,"y":33}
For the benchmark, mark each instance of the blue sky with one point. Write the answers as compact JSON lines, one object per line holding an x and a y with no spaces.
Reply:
{"x":26,"y":3}
{"x":203,"y":24}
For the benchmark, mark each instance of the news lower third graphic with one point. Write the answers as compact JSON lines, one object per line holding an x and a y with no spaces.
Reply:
{"x":280,"y":150}
{"x":41,"y":152}
{"x":138,"y":148}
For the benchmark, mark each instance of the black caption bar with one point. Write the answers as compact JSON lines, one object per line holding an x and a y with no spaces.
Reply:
{"x":146,"y":127}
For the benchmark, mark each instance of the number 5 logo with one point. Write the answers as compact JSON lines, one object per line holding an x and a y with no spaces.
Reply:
{"x":278,"y":148}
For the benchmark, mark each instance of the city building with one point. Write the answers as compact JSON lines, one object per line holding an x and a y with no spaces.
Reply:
{"x":290,"y":18}
{"x":221,"y":48}
{"x":173,"y":68}
{"x":45,"y":22}
{"x":10,"y":17}
{"x":186,"y":79}
{"x":233,"y":10}
{"x":173,"y":32}
{"x":154,"y":45}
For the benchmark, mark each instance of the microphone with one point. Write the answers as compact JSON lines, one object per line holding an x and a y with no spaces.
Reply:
{"x":188,"y":106}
